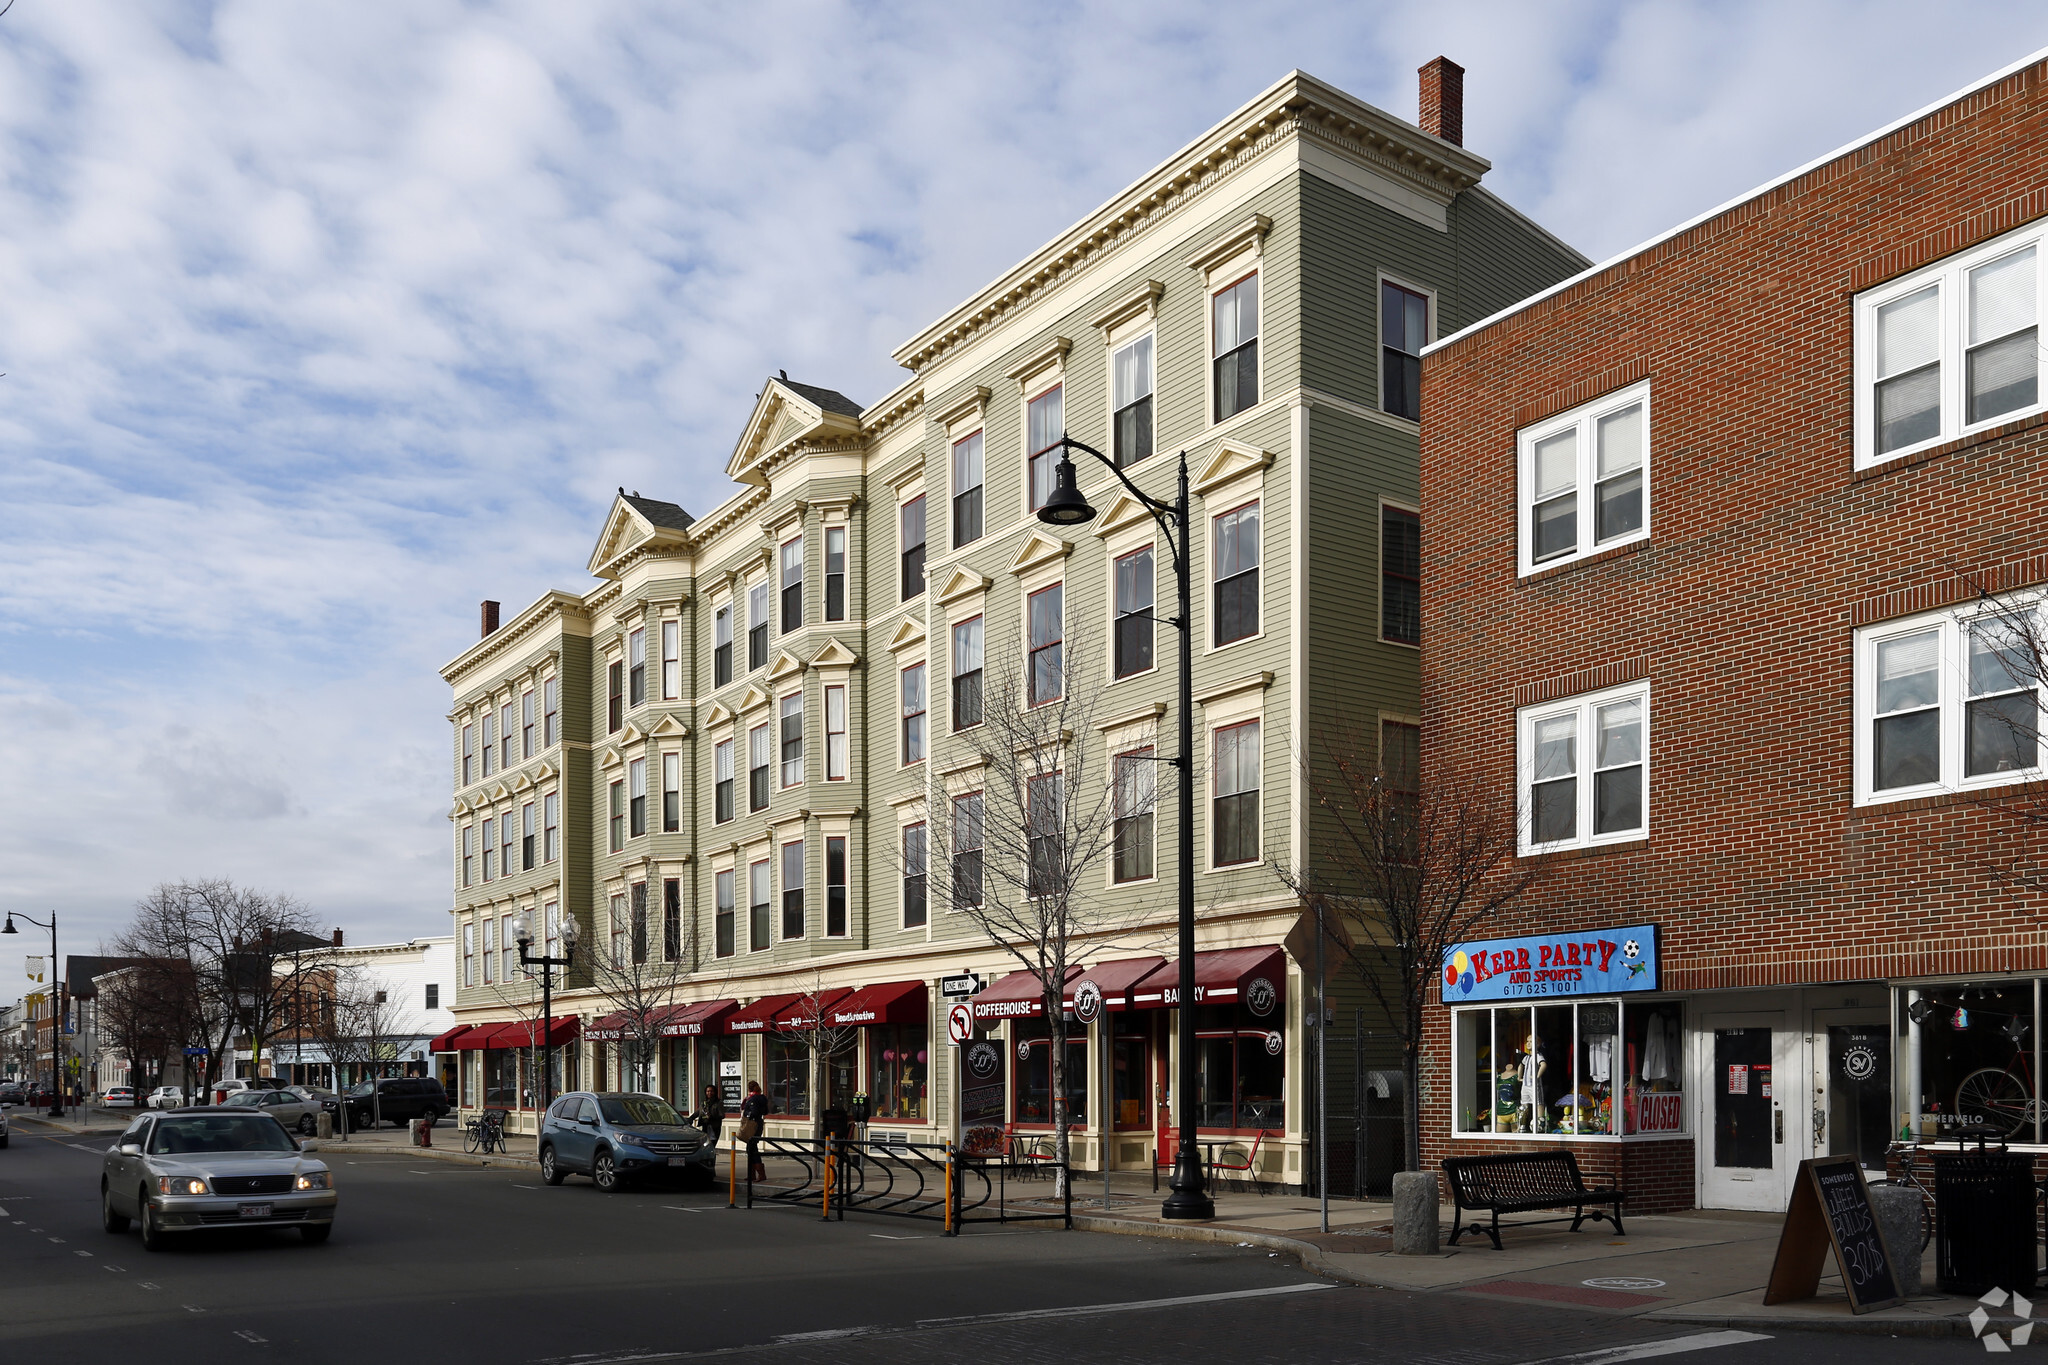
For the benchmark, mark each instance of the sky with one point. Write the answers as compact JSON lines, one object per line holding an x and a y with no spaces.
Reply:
{"x":321,"y":322}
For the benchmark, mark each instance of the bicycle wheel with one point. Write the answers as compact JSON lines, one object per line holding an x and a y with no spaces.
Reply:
{"x":471,"y":1138}
{"x":1994,"y":1097}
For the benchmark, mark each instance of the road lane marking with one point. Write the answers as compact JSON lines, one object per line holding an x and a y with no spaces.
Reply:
{"x":56,"y":1239}
{"x":679,"y":1208}
{"x":251,"y":1336}
{"x":147,"y":1284}
{"x":1614,"y":1355}
{"x":194,"y":1308}
{"x":1138,"y":1305}
{"x":898,"y":1237}
{"x":81,"y":1253}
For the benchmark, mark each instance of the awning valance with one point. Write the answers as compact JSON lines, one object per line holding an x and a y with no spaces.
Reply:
{"x":1113,"y":980}
{"x":1253,"y":977}
{"x":520,"y":1033}
{"x":804,"y":1011}
{"x":1020,"y":995}
{"x":759,"y":1016}
{"x":451,"y":1041}
{"x":706,"y":1016}
{"x":894,"y":1002}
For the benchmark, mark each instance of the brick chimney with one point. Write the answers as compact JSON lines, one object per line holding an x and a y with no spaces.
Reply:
{"x":1443,"y":100}
{"x":490,"y":619}
{"x":337,"y":938}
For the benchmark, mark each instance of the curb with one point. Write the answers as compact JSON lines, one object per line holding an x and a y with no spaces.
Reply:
{"x":1918,"y":1328}
{"x":500,"y":1159}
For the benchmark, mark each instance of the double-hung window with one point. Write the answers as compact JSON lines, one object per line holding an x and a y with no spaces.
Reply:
{"x":967,"y":482}
{"x":835,"y":887}
{"x":1949,"y":701}
{"x":551,"y":712}
{"x":1400,"y":575}
{"x":528,"y":852}
{"x":1044,"y":425}
{"x":468,"y":754}
{"x":1404,"y":331}
{"x":1235,"y":334}
{"x":1234,"y":816}
{"x":490,"y":848}
{"x":1131,"y":402}
{"x":507,"y":842}
{"x":1134,"y":603}
{"x":721,"y":782}
{"x":490,"y":739}
{"x":469,"y":956}
{"x":468,"y":854}
{"x":1585,"y":479}
{"x":721,"y":646}
{"x":526,"y":735}
{"x":724,"y":943}
{"x":759,"y":764}
{"x":1949,"y":349}
{"x":793,"y":585}
{"x":615,"y":822}
{"x":1136,"y":807}
{"x":671,"y":793}
{"x":759,"y":599}
{"x":759,"y":908}
{"x":970,"y":814}
{"x":793,"y":889}
{"x":490,"y":950}
{"x":1236,"y":556}
{"x":967,"y":663}
{"x":835,"y":734}
{"x":671,"y":660}
{"x":671,"y":919}
{"x":793,"y":740}
{"x":636,"y":668}
{"x":835,"y":573}
{"x":506,"y":735}
{"x":1046,"y":671}
{"x":636,"y":775}
{"x":910,"y":535}
{"x":638,"y":895}
{"x":550,"y":827}
{"x":615,"y":689}
{"x":914,"y":850}
{"x":1585,"y":769}
{"x":912,"y":683}
{"x":1045,"y":830}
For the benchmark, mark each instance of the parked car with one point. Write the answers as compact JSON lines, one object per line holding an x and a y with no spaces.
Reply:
{"x":288,"y":1107}
{"x":615,"y":1137}
{"x":118,"y":1097}
{"x":13,"y":1093}
{"x":3,"y":1128}
{"x":165,"y":1097}
{"x":399,"y":1100}
{"x":226,"y":1086}
{"x":197,"y":1168}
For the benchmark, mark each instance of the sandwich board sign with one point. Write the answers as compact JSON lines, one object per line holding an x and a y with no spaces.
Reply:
{"x":1831,"y":1210}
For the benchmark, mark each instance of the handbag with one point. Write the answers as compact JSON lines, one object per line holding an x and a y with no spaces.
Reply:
{"x":751,"y":1129}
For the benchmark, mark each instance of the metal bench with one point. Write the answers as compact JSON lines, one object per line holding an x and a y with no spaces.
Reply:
{"x":1524,"y":1182}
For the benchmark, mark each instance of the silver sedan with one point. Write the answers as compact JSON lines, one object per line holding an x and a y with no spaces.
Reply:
{"x":192,"y":1169}
{"x":293,"y":1108}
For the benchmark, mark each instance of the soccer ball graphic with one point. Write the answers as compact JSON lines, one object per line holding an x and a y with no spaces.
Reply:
{"x":1631,"y":949}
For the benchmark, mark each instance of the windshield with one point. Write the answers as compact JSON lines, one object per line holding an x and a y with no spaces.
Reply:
{"x":361,"y":1088}
{"x":243,"y":1099}
{"x":220,"y":1133}
{"x":638,"y":1109}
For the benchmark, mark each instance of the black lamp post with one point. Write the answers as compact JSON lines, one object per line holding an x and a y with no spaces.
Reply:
{"x":1066,"y":507}
{"x":56,"y":1015}
{"x":522,"y":930}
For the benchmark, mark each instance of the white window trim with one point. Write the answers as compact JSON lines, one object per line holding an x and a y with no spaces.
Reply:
{"x":803,"y":737}
{"x":1950,"y":273}
{"x":1243,"y":497}
{"x":1379,"y":331}
{"x":1040,"y":383}
{"x":1585,"y":417}
{"x":1584,"y":704}
{"x":845,"y":691}
{"x":1227,"y":276}
{"x":781,"y":888}
{"x":1136,"y":538}
{"x":1115,"y":340}
{"x":1054,"y":577}
{"x":1953,"y":682}
{"x":1118,"y":743}
{"x":903,"y":758}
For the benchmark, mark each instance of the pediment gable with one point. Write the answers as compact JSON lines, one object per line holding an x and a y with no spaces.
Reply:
{"x":752,"y":698}
{"x":498,"y":792}
{"x":963,"y":582}
{"x":522,"y":783}
{"x":631,"y":734}
{"x":834,"y":655}
{"x":609,"y":759}
{"x":783,"y":665}
{"x":719,"y":714}
{"x":781,"y":415}
{"x":1231,"y":461}
{"x":908,"y":635}
{"x":545,"y":771}
{"x":669,"y":727}
{"x":1039,"y":548}
{"x":626,"y":528}
{"x":1124,"y":511}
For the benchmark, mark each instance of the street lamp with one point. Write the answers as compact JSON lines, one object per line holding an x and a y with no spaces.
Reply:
{"x":56,"y":1014}
{"x":1066,"y":507}
{"x":522,"y":931}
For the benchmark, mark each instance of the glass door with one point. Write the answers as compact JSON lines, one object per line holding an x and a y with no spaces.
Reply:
{"x":1852,"y":1085}
{"x":1749,"y":1070}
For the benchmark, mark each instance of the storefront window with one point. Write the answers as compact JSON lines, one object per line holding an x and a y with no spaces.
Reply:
{"x":711,"y":1053}
{"x":1130,"y":1079}
{"x":1969,"y":1050}
{"x":501,"y":1078}
{"x":1560,"y":1069}
{"x":1033,"y":1041}
{"x":789,"y":1076}
{"x":899,"y":1059}
{"x":1242,"y":1070}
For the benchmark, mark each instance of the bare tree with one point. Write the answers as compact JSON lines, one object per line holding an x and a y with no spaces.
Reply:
{"x":141,"y":1010}
{"x":1401,"y":875}
{"x":1018,"y":845}
{"x":2004,"y":669}
{"x":640,"y":987}
{"x":811,"y":1025}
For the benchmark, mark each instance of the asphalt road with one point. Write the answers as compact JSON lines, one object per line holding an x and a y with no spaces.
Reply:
{"x":455,"y":1264}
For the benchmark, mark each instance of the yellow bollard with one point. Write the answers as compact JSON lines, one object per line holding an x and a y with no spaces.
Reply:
{"x":732,"y":1187}
{"x":949,"y":1228}
{"x":831,"y":1169}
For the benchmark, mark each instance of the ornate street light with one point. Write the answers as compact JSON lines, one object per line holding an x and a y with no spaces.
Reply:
{"x":522,"y":931}
{"x":56,"y":1014}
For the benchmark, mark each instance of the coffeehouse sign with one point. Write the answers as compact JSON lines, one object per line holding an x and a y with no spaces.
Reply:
{"x":1597,"y":962}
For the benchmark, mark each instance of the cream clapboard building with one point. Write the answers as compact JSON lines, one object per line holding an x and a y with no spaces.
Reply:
{"x":726,"y":753}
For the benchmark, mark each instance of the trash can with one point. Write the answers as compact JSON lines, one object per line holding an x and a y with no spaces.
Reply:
{"x":1984,"y":1222}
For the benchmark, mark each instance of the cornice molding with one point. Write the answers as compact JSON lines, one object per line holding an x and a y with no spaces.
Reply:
{"x":1150,"y":712}
{"x":1260,"y":680}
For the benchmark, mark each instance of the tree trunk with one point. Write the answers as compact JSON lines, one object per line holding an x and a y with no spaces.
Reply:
{"x":1411,"y":1073}
{"x":1057,"y":1074}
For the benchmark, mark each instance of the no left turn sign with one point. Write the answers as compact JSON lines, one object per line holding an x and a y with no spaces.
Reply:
{"x":959,"y":1022}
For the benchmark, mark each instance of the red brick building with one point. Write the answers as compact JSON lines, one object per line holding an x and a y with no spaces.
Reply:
{"x":1704,"y":533}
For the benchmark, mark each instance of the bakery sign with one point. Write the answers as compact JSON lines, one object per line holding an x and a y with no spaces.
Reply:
{"x":1540,"y":966}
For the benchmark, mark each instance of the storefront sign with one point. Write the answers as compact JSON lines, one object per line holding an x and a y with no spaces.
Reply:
{"x":1087,"y":1001}
{"x":1602,"y":962}
{"x":981,"y":1098}
{"x":1660,"y":1113}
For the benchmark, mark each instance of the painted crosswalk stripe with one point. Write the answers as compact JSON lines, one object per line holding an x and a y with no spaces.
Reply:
{"x":1647,"y":1350}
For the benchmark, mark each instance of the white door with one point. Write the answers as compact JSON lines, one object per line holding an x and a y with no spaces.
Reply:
{"x":1747,"y":1143}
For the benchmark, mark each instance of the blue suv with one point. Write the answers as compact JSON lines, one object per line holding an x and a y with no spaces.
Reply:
{"x":616,"y":1136}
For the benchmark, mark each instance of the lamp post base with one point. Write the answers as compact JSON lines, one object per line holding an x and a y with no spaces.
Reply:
{"x":1189,"y":1202}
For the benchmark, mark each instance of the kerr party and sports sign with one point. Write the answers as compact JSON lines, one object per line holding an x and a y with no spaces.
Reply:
{"x":1602,"y":962}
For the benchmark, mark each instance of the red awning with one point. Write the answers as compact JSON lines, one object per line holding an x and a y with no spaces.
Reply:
{"x":518,"y":1034}
{"x":451,"y":1040}
{"x":803,"y":1011}
{"x":1113,"y":980}
{"x":609,"y":1029}
{"x":706,"y":1016}
{"x":759,"y":1017}
{"x":896,"y":1002}
{"x":1253,"y":977}
{"x":1020,"y":995}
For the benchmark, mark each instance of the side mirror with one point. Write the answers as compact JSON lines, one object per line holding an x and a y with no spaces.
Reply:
{"x":587,"y":1121}
{"x":130,"y":1148}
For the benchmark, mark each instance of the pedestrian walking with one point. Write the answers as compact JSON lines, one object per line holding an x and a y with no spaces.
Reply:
{"x":754,"y":1122}
{"x":710,"y":1119}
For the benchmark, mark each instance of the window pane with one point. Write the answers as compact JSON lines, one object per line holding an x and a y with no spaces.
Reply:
{"x":2002,"y":297}
{"x":1557,"y":463}
{"x":2004,"y":734}
{"x":1557,"y":747}
{"x":1237,"y":541}
{"x":1906,"y":675}
{"x":1134,"y":594}
{"x":1556,"y":810}
{"x":1045,"y":420}
{"x":1618,"y":734}
{"x":1619,"y":509}
{"x":1909,"y":409}
{"x":2004,"y":376}
{"x":1909,"y":332}
{"x":1618,"y":800}
{"x":1133,"y":367}
{"x":1908,"y":750}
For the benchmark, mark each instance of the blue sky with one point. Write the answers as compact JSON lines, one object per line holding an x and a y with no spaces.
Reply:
{"x":322,"y":321}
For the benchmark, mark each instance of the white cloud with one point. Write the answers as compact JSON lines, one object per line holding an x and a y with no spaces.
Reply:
{"x":323,"y":322}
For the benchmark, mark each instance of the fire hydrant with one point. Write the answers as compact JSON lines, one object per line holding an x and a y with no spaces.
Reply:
{"x":423,"y":1132}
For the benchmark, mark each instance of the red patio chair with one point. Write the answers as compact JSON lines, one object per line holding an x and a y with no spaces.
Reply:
{"x":1222,"y":1162}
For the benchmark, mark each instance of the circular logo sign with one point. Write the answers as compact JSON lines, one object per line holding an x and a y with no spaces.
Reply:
{"x":1859,"y":1062}
{"x":1087,"y":1001}
{"x":984,"y":1059}
{"x":1622,"y":1282}
{"x":1023,"y":1049}
{"x":1260,"y":997}
{"x":1275,"y":1044}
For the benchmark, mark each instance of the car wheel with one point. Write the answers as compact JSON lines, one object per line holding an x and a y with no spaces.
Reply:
{"x":109,"y":1219}
{"x":306,"y":1125}
{"x":153,"y":1237}
{"x":550,"y":1172}
{"x":604,"y":1173}
{"x":316,"y":1233}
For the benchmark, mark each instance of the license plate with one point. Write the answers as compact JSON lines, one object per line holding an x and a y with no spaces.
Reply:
{"x":255,"y":1210}
{"x":679,"y":1161}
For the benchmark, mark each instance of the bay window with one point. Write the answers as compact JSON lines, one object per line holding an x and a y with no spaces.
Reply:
{"x":758,"y":764}
{"x":490,"y":755}
{"x":527,"y":851}
{"x":792,"y":585}
{"x":722,"y":913}
{"x":671,"y":793}
{"x":615,"y":692}
{"x":636,"y":668}
{"x":551,"y":827}
{"x":792,"y":721}
{"x":671,"y":660}
{"x":793,"y":889}
{"x":758,"y":598}
{"x":835,"y":734}
{"x":910,"y":536}
{"x":636,"y":775}
{"x":468,"y":854}
{"x":835,"y":573}
{"x":526,"y":744}
{"x":615,"y":823}
{"x":721,"y":646}
{"x":468,"y":755}
{"x":759,"y":906}
{"x":835,"y":887}
{"x":721,"y":783}
{"x":551,"y":712}
{"x":490,"y":848}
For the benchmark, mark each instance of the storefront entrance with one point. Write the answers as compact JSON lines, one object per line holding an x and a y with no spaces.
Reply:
{"x":1852,"y":1085}
{"x":1749,"y":1064}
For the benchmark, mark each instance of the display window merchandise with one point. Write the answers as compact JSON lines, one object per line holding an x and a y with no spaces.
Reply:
{"x":1587,"y":1068}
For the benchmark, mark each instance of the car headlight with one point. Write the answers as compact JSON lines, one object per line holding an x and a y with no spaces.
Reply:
{"x":314,"y":1180}
{"x":180,"y":1184}
{"x":631,"y":1141}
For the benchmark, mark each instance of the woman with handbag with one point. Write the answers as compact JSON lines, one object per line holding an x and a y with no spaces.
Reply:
{"x":753,"y":1122}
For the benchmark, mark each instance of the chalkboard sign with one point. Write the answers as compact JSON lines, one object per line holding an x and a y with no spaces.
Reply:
{"x":1831,"y":1210}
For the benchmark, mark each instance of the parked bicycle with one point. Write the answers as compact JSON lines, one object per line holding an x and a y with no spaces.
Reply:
{"x":2003,"y":1097}
{"x":486,"y":1132}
